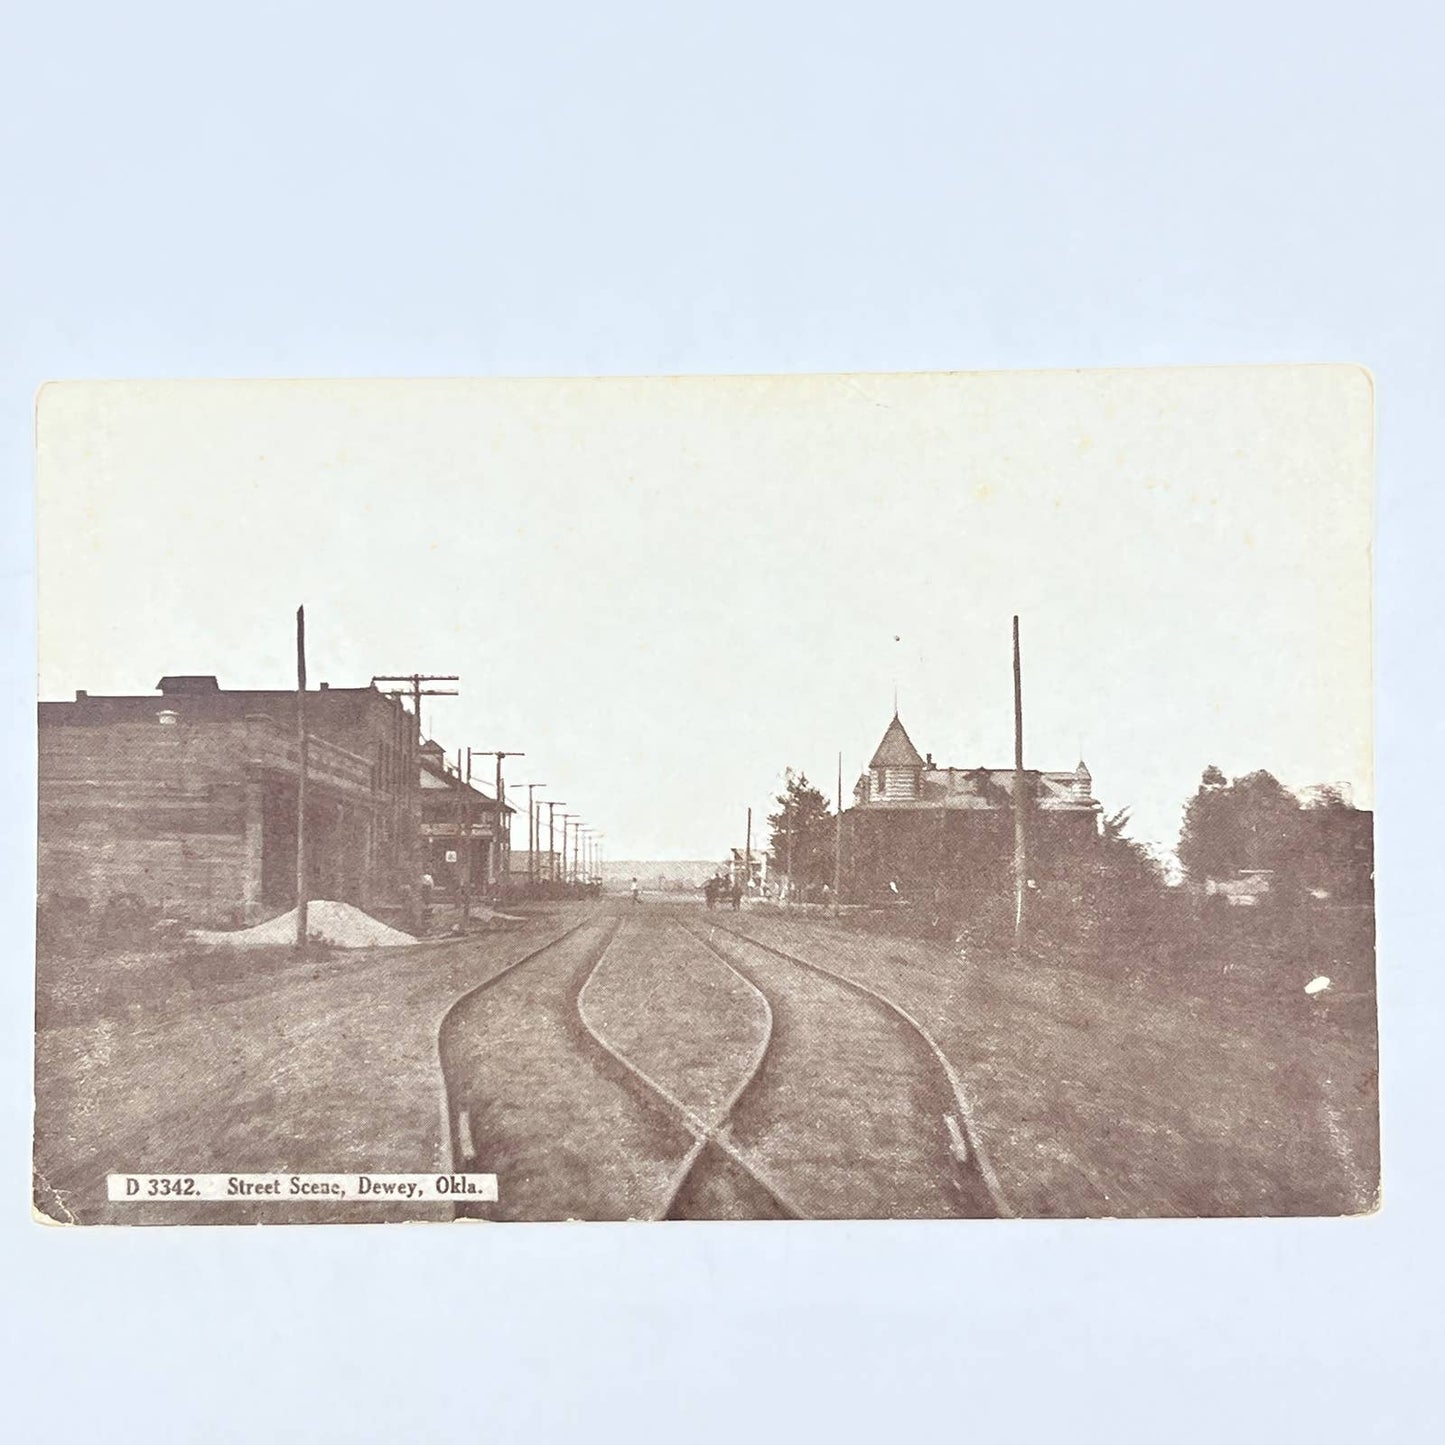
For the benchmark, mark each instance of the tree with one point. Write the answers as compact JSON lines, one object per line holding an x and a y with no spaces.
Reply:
{"x":1251,"y":823}
{"x":1335,"y":851}
{"x":1130,"y":905}
{"x":802,"y":833}
{"x":1124,"y":862}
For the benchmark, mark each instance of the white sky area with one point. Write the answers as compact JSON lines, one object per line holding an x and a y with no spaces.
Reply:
{"x":666,"y":591}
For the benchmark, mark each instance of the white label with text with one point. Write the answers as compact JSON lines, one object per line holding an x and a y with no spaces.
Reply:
{"x":276,"y":1188}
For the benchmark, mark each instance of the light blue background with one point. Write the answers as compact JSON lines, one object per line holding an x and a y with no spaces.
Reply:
{"x":353,"y":189}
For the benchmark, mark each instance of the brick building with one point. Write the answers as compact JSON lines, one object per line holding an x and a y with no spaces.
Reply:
{"x":927,"y":829}
{"x":186,"y":799}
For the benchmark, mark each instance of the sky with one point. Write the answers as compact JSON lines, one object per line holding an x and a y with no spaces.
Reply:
{"x":665,"y":592}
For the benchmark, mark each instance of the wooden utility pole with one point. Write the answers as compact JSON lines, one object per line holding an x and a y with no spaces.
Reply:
{"x":552,"y":805}
{"x":748,"y":855}
{"x":1020,"y":802}
{"x":502,"y":832}
{"x":464,"y":835}
{"x":532,"y":832}
{"x":838,"y":844}
{"x":302,"y":756}
{"x":415,"y":691}
{"x":411,"y":684}
{"x":501,"y":836}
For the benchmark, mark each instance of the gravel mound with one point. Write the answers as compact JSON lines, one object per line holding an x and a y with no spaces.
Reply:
{"x":342,"y":925}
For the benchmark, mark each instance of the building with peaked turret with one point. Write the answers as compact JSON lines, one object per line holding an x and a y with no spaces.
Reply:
{"x":916,"y":828}
{"x":898,"y":776}
{"x":895,"y":771}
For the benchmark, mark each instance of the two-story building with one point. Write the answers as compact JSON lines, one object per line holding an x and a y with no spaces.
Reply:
{"x":917,"y":827}
{"x":463,"y":832}
{"x":186,"y":799}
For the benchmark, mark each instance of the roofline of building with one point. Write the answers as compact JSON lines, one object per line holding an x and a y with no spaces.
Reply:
{"x":158,"y":696}
{"x":454,"y":782}
{"x":962,"y":803}
{"x":1058,"y":773}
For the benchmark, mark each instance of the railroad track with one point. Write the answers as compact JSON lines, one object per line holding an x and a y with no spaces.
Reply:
{"x":978,"y":1182}
{"x":662,"y":1152}
{"x":459,"y":1144}
{"x":708,"y":1130}
{"x":600,"y":1065}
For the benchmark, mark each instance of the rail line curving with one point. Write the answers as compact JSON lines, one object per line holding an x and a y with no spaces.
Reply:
{"x":450,"y":1089}
{"x":705,"y":1131}
{"x":966,"y":1130}
{"x":710,"y":1127}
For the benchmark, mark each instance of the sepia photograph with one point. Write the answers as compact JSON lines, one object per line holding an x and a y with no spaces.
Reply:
{"x":840,"y":797}
{"x":721,"y":721}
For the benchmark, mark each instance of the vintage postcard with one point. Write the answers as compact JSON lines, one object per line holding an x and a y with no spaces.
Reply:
{"x":781,"y":797}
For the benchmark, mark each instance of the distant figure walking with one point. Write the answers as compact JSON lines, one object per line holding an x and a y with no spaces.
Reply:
{"x":709,"y":891}
{"x":735,"y":894}
{"x":636,"y":891}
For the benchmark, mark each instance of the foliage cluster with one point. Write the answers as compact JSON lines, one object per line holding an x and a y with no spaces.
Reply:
{"x":1115,"y":902}
{"x":801,"y":842}
{"x":1254,"y":823}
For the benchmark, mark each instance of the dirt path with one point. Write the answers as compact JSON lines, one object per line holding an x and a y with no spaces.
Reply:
{"x":677,"y":1012}
{"x":314,"y":1067}
{"x":566,"y":1131}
